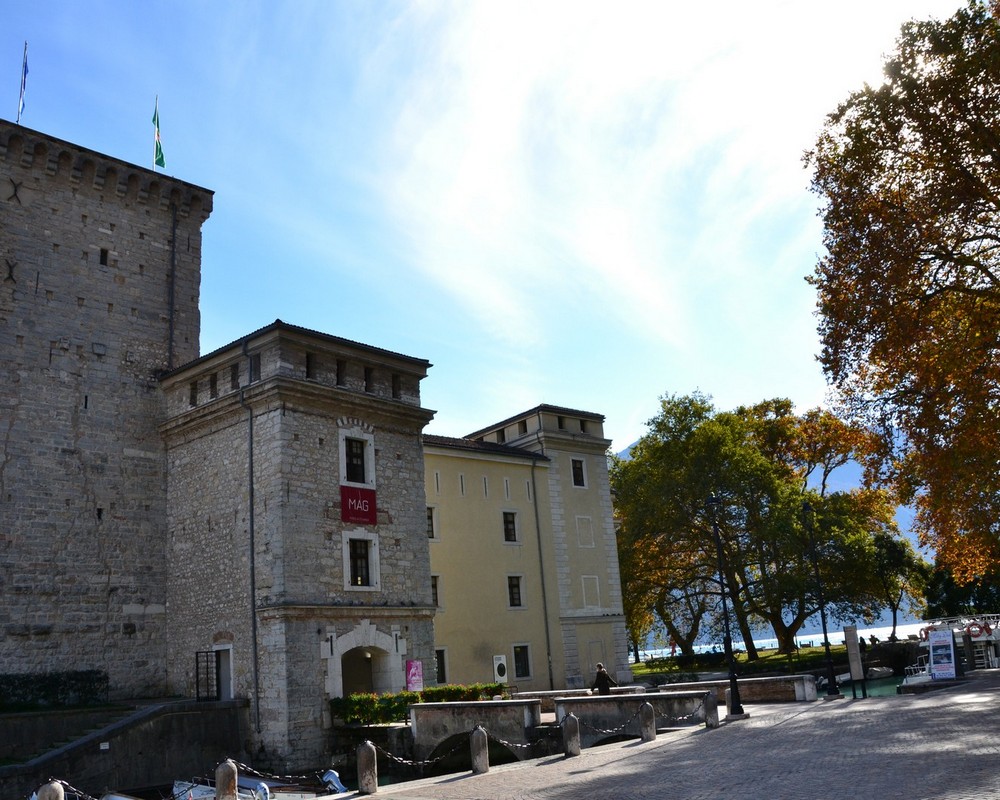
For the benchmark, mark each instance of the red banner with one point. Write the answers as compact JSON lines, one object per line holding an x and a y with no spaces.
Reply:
{"x":357,"y":505}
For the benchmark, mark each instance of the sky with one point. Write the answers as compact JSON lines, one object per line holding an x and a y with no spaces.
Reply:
{"x":588,"y":205}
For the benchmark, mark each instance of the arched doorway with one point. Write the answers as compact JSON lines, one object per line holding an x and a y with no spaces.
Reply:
{"x":357,"y":670}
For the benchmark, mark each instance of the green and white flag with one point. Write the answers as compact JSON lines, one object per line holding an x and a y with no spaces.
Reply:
{"x":158,"y":160}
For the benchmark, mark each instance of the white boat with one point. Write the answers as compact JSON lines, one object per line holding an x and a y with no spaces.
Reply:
{"x":253,"y":787}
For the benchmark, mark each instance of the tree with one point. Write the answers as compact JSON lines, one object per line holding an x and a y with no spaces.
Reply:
{"x":901,"y":575}
{"x":759,"y":460}
{"x":946,"y":598}
{"x":909,"y":289}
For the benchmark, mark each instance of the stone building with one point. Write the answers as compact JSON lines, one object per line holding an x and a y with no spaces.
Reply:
{"x":98,"y":296}
{"x":253,"y":523}
{"x":523,"y":555}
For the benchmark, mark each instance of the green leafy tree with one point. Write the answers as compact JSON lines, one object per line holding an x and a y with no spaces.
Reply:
{"x":759,"y":460}
{"x":947,"y":598}
{"x":909,"y":289}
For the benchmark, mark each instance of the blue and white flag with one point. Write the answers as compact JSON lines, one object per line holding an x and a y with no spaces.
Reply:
{"x":24,"y":83}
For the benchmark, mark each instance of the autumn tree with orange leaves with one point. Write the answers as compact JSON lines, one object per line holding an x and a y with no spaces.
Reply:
{"x":763,"y":462}
{"x":909,"y":289}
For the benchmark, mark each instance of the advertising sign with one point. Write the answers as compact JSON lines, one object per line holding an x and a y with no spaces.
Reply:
{"x":357,"y":505}
{"x":414,"y":676}
{"x":942,"y":647}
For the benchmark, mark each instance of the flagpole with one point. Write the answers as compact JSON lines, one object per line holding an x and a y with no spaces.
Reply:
{"x":24,"y":81}
{"x":156,"y":123}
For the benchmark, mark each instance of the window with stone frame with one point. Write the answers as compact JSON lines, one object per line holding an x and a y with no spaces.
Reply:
{"x":514,"y":599}
{"x":510,"y":526}
{"x":522,"y":661}
{"x":579,"y":472}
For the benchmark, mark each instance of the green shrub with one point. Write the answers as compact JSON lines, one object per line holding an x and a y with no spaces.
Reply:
{"x":366,"y":708}
{"x":24,"y":691}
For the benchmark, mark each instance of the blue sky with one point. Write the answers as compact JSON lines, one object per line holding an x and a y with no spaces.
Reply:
{"x":582,"y":204}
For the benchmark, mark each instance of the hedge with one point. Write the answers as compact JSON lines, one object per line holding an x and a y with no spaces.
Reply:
{"x":367,"y":708}
{"x":28,"y":691}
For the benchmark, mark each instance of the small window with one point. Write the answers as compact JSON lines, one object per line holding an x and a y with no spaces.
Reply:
{"x":397,"y":386}
{"x":514,"y":591}
{"x":360,"y":563}
{"x":369,"y":379}
{"x":431,"y":523}
{"x":561,"y":423}
{"x":442,"y":673}
{"x":355,"y":460}
{"x":486,"y":488}
{"x":579,"y":473}
{"x":522,"y":427}
{"x":434,"y":591}
{"x":255,"y":368}
{"x":193,"y":394}
{"x":213,"y":385}
{"x":104,"y":256}
{"x":522,"y":661}
{"x":510,"y":526}
{"x":234,"y":377}
{"x":341,"y":372}
{"x":310,"y":366}
{"x":501,"y":436}
{"x":461,"y":485}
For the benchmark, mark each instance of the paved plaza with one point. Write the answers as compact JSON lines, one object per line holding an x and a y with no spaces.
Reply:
{"x":944,"y":745}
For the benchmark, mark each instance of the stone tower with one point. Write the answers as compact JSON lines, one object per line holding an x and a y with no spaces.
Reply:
{"x":100,"y":265}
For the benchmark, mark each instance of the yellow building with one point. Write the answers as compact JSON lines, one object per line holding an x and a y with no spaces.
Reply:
{"x":524,"y":563}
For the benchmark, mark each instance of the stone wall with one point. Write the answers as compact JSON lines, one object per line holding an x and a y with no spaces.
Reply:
{"x":99,"y":282}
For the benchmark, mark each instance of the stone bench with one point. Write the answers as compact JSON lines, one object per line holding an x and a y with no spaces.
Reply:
{"x":772,"y":689}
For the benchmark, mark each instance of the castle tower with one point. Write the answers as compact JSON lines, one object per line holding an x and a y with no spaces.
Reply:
{"x":99,"y":282}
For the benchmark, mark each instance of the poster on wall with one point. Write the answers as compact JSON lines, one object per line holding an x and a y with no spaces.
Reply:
{"x":414,"y":676}
{"x":942,"y":647}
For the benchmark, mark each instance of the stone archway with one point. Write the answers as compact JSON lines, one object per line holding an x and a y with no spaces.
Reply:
{"x":386,"y":654}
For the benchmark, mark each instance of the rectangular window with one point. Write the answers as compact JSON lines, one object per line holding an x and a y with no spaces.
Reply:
{"x":310,"y":366}
{"x":442,"y":673}
{"x":213,"y":385}
{"x":255,"y":367}
{"x":431,"y":523}
{"x":193,"y":394}
{"x":486,"y":487}
{"x":434,"y":591}
{"x":522,"y":661}
{"x":579,"y":474}
{"x":501,"y":436}
{"x":360,"y":566}
{"x":397,"y":386}
{"x":341,"y":372}
{"x":369,"y":379}
{"x":461,"y":485}
{"x":522,"y":427}
{"x":355,"y":460}
{"x":510,"y":526}
{"x":514,"y":591}
{"x":234,"y":377}
{"x":104,"y":256}
{"x":506,"y":489}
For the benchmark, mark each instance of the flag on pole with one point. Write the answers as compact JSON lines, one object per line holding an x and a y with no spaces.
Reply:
{"x":24,"y":83}
{"x":158,"y":160}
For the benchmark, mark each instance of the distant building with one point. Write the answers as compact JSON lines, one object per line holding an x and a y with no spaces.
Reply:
{"x":266,"y":521}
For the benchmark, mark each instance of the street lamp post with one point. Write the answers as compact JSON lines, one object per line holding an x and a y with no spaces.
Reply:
{"x":735,"y":706}
{"x":831,"y":678}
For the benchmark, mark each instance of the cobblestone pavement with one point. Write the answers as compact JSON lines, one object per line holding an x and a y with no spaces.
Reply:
{"x":942,"y":745}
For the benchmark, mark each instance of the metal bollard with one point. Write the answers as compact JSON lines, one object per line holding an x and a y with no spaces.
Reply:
{"x":367,"y":769}
{"x":51,"y":791}
{"x":225,"y":780}
{"x":480,"y":745}
{"x":571,"y":735}
{"x":647,"y":723}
